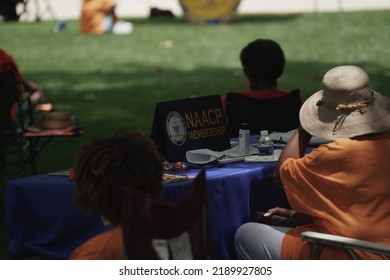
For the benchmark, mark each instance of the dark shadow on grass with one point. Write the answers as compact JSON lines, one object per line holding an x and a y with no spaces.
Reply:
{"x":147,"y":82}
{"x":126,"y":99}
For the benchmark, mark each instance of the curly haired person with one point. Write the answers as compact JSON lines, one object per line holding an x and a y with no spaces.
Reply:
{"x":103,"y":168}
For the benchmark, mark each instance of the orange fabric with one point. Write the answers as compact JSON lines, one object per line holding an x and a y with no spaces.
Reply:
{"x":345,"y":187}
{"x":105,"y":246}
{"x":258,"y":94}
{"x":92,"y":15}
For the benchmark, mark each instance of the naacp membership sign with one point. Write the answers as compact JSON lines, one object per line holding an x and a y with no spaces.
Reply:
{"x":188,"y":124}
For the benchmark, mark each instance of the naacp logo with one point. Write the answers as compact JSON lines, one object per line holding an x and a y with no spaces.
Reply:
{"x":176,"y":128}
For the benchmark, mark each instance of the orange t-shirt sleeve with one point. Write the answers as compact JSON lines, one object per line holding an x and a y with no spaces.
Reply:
{"x":105,"y":246}
{"x":343,"y":186}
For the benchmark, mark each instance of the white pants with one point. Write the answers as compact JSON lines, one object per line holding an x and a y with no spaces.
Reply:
{"x":255,"y":241}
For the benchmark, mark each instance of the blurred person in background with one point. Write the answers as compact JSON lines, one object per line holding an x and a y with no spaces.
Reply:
{"x":8,"y":10}
{"x":34,"y":91}
{"x":99,"y":17}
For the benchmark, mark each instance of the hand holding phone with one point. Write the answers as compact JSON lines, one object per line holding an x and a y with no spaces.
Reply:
{"x":273,"y":220}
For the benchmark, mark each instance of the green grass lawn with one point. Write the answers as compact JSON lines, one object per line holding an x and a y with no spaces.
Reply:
{"x":128,"y":74}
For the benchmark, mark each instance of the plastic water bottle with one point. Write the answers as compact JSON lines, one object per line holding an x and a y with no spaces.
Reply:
{"x":243,"y":138}
{"x":265,"y":145}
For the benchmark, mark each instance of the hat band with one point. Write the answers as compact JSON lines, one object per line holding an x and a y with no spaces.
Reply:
{"x":356,"y":106}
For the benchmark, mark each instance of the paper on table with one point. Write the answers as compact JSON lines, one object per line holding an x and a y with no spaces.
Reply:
{"x":284,"y":137}
{"x":235,"y":152}
{"x":258,"y":158}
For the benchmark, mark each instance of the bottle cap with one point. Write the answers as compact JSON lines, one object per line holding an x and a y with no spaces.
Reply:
{"x":264,"y":132}
{"x":244,"y":126}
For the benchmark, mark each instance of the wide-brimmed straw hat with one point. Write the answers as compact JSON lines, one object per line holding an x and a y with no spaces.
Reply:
{"x":346,"y":106}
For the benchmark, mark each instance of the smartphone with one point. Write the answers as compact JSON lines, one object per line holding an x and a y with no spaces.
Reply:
{"x":274,"y":220}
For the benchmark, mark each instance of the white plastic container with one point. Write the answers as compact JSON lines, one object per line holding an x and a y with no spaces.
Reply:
{"x":243,"y":139}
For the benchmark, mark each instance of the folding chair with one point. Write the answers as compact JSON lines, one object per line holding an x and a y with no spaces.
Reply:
{"x":155,"y":228}
{"x":19,"y":142}
{"x":12,"y":143}
{"x":277,"y":114}
{"x":349,"y":244}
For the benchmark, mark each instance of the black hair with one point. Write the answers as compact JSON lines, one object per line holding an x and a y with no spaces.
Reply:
{"x":105,"y":166}
{"x":263,"y":59}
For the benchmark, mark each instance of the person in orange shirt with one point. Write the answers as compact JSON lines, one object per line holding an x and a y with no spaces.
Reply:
{"x":99,"y":17}
{"x":103,"y":168}
{"x":341,"y":187}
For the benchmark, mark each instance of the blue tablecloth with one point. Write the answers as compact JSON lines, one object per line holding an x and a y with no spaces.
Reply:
{"x":42,"y":220}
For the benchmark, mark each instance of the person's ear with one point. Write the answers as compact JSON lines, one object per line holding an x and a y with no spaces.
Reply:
{"x":245,"y":72}
{"x":248,"y":78}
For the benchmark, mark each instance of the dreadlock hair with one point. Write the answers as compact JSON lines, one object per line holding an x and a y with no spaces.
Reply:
{"x":263,"y":59}
{"x":105,"y":166}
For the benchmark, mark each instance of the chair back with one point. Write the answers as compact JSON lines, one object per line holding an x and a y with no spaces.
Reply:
{"x":277,"y":114}
{"x":351,"y":245}
{"x":155,"y":228}
{"x":12,"y":143}
{"x":8,"y":97}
